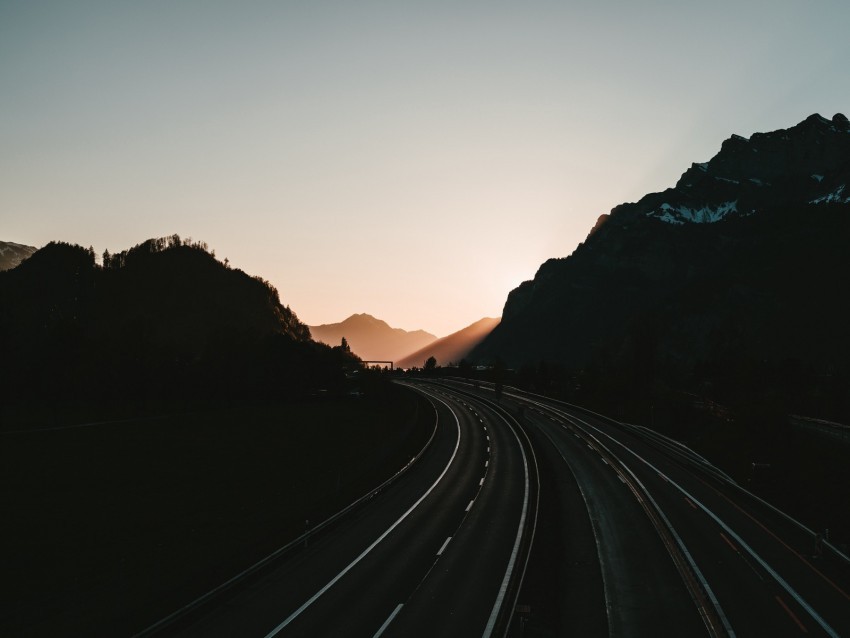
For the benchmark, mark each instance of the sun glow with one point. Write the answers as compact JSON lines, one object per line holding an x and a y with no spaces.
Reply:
{"x":417,"y":163}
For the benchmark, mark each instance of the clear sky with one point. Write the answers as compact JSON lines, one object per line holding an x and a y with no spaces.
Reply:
{"x":412,"y":160}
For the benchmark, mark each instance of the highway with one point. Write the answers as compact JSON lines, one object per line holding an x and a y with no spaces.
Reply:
{"x":525,"y":516}
{"x":441,"y":551}
{"x":680,"y":549}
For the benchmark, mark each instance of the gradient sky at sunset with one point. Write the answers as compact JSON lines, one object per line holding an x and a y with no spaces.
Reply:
{"x":412,"y":160}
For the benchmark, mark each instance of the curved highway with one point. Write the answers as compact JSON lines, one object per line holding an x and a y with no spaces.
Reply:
{"x":441,"y":551}
{"x":681,"y":549}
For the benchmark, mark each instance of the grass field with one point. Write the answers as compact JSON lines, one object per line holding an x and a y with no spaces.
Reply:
{"x":109,"y":527}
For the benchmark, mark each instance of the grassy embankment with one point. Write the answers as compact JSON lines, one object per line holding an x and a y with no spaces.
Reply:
{"x":797,"y":471}
{"x":107,"y":528}
{"x":801,"y":473}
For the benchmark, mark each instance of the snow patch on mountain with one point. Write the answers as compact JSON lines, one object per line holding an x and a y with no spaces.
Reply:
{"x":835,"y":197}
{"x":684,"y":214}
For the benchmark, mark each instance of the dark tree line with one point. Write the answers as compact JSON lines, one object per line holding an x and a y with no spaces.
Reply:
{"x":164,"y":320}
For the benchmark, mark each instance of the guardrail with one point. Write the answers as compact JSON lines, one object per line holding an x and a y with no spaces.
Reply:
{"x":290,"y":546}
{"x":826,"y":429}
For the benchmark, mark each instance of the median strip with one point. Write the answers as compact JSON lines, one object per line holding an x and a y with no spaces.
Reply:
{"x":690,"y":573}
{"x":764,"y":565}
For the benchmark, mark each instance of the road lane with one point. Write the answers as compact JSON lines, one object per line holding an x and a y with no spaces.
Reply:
{"x":361,"y":602}
{"x":644,"y":593}
{"x":255,"y":606}
{"x":471,"y":583}
{"x":785,"y":591}
{"x":755,"y":559}
{"x":371,"y":572}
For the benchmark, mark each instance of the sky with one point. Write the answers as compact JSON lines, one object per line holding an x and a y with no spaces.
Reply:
{"x":411,"y":160}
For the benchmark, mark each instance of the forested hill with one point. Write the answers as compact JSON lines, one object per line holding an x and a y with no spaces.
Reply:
{"x":163,"y":319}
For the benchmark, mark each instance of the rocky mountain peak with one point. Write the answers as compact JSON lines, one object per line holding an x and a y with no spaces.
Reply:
{"x":806,"y":163}
{"x":746,"y":234}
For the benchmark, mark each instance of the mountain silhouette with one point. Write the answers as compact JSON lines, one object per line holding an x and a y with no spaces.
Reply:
{"x":11,"y":254}
{"x":453,"y":348}
{"x":372,"y":339}
{"x":745,"y":259}
{"x":162,"y":319}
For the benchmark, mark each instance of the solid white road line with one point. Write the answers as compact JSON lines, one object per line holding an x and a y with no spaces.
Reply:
{"x":695,"y":570}
{"x":333,"y":581}
{"x":497,"y":606}
{"x":388,"y":621}
{"x":741,"y":543}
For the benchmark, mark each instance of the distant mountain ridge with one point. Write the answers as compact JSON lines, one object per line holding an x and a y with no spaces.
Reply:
{"x":743,"y":258}
{"x":12,"y":254}
{"x":452,"y":348}
{"x":372,"y":339}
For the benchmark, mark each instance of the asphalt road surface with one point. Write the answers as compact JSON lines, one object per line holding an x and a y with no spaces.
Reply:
{"x":681,"y":550}
{"x":440,"y":552}
{"x":529,"y":517}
